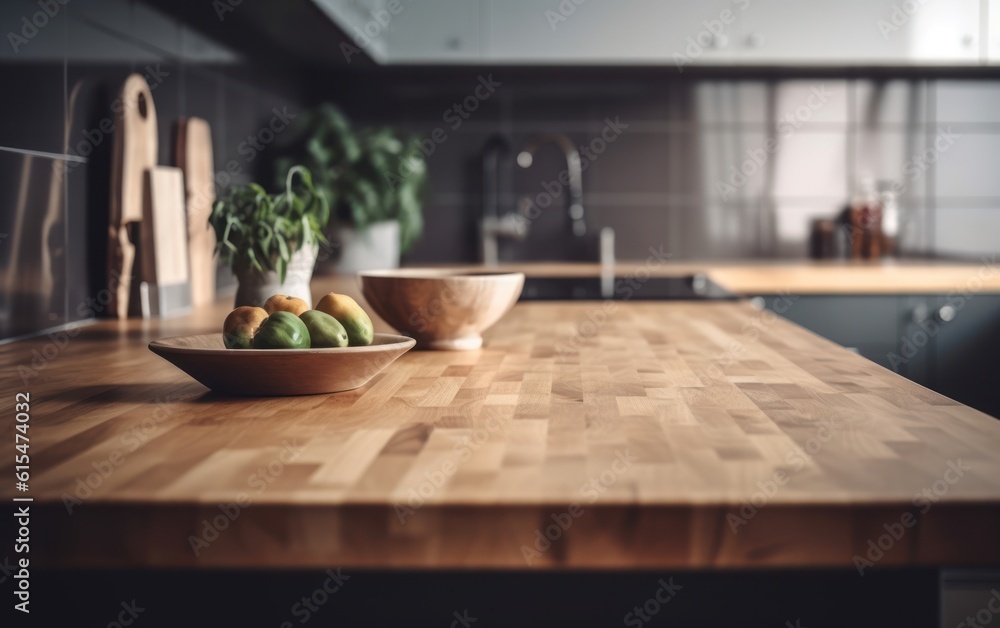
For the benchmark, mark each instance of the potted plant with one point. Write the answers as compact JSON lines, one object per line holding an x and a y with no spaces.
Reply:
{"x":372,"y":178}
{"x":271,"y":241}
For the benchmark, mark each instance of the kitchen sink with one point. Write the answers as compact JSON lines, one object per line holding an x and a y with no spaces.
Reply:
{"x":684,"y":288}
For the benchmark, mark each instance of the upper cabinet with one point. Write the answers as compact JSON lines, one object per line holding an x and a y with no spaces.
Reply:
{"x":638,"y":31}
{"x":436,"y":31}
{"x":992,"y":28}
{"x":860,"y":32}
{"x":678,"y":33}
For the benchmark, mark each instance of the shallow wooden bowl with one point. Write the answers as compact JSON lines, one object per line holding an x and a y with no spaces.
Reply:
{"x":279,"y":372}
{"x":441,"y":309}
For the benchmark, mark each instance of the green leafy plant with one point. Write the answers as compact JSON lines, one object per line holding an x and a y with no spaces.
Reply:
{"x":258,"y":231}
{"x":366,"y":175}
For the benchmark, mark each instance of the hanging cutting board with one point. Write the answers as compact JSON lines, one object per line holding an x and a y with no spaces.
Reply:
{"x":194,"y":157}
{"x":165,"y":290}
{"x":134,"y":152}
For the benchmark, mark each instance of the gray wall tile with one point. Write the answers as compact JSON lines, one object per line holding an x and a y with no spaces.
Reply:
{"x":811,"y":102}
{"x":968,"y":167}
{"x":734,"y":164}
{"x":714,"y":230}
{"x":967,"y":231}
{"x":891,"y":155}
{"x":634,"y":162}
{"x":896,"y":102}
{"x":731,"y":103}
{"x":33,"y":110}
{"x":967,"y":101}
{"x":811,"y":164}
{"x":639,"y":228}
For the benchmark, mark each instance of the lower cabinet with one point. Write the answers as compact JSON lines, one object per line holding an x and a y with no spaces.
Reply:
{"x":866,"y":324}
{"x":949,"y":343}
{"x":965,"y":361}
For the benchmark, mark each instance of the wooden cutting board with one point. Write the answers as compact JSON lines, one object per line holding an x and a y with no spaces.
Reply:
{"x":194,"y":157}
{"x":163,"y":247}
{"x":134,"y":152}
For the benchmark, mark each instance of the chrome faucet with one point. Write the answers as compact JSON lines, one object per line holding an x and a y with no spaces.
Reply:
{"x":574,"y":200}
{"x":496,"y":181}
{"x":499,"y":221}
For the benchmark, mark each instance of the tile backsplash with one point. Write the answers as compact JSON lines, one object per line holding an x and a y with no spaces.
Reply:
{"x":707,"y":168}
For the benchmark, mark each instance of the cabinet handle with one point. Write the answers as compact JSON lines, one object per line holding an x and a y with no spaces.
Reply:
{"x":945,"y":314}
{"x":718,"y":41}
{"x":755,"y":40}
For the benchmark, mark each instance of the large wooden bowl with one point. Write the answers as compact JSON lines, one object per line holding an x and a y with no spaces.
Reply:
{"x":279,"y":372}
{"x":441,"y":309}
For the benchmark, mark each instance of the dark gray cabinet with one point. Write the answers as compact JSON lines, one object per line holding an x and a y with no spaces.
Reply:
{"x":965,"y":356}
{"x":866,"y":324}
{"x":949,"y":343}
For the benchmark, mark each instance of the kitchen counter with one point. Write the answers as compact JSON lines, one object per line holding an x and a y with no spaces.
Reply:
{"x":751,"y":278}
{"x":649,"y":434}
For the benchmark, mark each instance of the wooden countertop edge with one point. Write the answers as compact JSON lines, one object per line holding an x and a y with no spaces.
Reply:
{"x":799,"y":277}
{"x":369,"y":537}
{"x":606,"y":504}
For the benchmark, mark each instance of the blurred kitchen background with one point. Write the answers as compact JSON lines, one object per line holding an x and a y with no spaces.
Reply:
{"x":718,"y":130}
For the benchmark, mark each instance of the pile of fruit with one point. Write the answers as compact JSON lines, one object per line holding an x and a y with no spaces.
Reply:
{"x":287,"y":323}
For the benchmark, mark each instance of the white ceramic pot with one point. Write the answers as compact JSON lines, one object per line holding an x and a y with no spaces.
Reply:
{"x":256,"y":287}
{"x":374,"y":248}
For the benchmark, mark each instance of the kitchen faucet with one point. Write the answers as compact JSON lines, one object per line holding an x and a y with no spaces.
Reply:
{"x":496,"y":180}
{"x":499,"y":221}
{"x":574,"y":199}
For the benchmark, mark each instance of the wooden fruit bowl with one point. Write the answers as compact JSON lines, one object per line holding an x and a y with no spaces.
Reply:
{"x":441,"y":309}
{"x":279,"y":372}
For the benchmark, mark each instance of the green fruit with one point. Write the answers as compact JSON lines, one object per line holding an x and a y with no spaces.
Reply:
{"x":324,"y":330}
{"x":282,"y":330}
{"x":351,"y":315}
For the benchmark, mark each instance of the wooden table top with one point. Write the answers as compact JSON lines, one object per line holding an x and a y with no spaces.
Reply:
{"x":632,"y":435}
{"x":762,"y":277}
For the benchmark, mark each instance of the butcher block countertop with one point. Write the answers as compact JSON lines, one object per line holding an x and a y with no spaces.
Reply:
{"x":762,"y":277}
{"x":583,"y":435}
